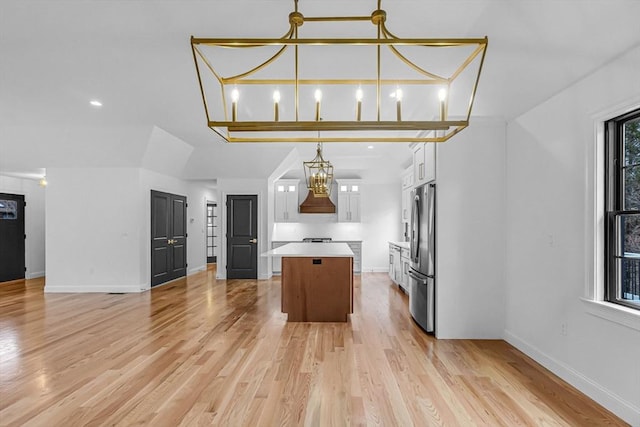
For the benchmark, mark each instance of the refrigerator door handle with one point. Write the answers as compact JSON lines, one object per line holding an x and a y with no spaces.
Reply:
{"x":415,"y":229}
{"x":419,"y":279}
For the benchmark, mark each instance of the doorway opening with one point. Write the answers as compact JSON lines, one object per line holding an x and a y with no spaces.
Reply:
{"x":212,"y":232}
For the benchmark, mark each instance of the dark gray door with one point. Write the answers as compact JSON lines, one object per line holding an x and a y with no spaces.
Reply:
{"x":168,"y":237}
{"x":242,"y":237}
{"x":11,"y":237}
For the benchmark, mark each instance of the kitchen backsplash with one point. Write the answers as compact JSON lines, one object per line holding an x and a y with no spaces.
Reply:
{"x":292,"y":231}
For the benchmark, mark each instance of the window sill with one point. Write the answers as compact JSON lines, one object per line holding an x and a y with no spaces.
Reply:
{"x":613,"y":312}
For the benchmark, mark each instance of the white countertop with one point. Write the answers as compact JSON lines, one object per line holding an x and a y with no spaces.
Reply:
{"x":332,"y":241}
{"x":404,"y":245}
{"x":324,"y":249}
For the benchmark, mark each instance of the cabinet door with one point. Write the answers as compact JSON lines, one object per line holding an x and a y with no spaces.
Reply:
{"x":405,"y":274}
{"x":349,"y":207}
{"x":354,"y":207}
{"x":356,"y":247}
{"x":418,"y":165}
{"x":286,"y":202}
{"x":397,"y":266}
{"x":406,"y":205}
{"x":343,"y":207}
{"x":291,"y":205}
{"x":407,"y":178}
{"x":429,"y":161}
{"x":280,"y":205}
{"x":392,"y":264}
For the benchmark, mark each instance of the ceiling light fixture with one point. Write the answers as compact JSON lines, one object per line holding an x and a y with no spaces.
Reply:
{"x":308,"y":72}
{"x":319,"y":179}
{"x":95,"y":103}
{"x":319,"y":174}
{"x":43,"y":181}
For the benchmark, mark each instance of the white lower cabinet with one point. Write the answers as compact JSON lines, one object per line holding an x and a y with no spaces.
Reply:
{"x":395,"y":266}
{"x":405,"y":261}
{"x":276,"y":262}
{"x":356,"y":248}
{"x":399,"y":265}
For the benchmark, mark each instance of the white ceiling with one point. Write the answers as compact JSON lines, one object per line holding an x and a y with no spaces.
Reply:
{"x":135,"y":57}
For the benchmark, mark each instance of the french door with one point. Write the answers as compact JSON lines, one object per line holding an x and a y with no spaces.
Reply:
{"x":168,"y":237}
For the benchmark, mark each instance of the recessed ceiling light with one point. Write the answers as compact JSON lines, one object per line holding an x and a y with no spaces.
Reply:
{"x":95,"y":103}
{"x":370,"y":147}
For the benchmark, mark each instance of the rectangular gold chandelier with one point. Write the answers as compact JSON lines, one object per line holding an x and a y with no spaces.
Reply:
{"x":352,"y":89}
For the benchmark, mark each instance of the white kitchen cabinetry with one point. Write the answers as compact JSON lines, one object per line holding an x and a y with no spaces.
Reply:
{"x":399,"y":264}
{"x":395,"y":265}
{"x":348,"y":200}
{"x":286,"y":200}
{"x":405,"y":261}
{"x":407,"y":185}
{"x":424,"y":163}
{"x":356,"y":248}
{"x":276,"y":262}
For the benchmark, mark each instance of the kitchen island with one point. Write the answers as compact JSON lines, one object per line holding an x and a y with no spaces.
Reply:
{"x":317,"y":281}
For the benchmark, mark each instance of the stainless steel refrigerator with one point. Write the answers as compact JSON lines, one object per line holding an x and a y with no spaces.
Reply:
{"x":423,"y":256}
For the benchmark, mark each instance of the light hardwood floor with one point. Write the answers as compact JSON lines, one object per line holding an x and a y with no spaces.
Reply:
{"x":201,"y":351}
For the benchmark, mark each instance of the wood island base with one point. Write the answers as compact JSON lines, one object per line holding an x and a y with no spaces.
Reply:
{"x":317,"y":289}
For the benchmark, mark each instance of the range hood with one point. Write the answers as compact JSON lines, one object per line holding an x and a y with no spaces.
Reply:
{"x":314,"y":204}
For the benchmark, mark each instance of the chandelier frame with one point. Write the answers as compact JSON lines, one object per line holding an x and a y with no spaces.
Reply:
{"x":426,"y":130}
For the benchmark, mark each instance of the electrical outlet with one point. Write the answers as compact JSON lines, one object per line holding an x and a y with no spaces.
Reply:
{"x":563,"y":329}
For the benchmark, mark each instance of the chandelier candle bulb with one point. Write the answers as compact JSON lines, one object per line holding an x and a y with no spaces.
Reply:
{"x":234,"y":104}
{"x":399,"y":104}
{"x":276,"y":100}
{"x":318,"y":96}
{"x":359,"y":105}
{"x":442,"y":95}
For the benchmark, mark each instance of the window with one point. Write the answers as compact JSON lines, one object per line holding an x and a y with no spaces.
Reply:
{"x":622,"y":204}
{"x":8,"y":209}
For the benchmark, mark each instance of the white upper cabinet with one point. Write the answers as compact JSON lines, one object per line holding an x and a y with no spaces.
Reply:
{"x":407,"y":185}
{"x":407,"y":178}
{"x":424,"y":163}
{"x":286,"y":200}
{"x":348,"y":200}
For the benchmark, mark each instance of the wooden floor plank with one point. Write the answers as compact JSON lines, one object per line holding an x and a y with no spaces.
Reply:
{"x":201,"y":351}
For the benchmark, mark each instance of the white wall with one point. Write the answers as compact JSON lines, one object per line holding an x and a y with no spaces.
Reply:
{"x":93,"y":230}
{"x":551,"y":257}
{"x":470,"y":217}
{"x":99,"y":225}
{"x":34,"y":196}
{"x":380,"y":223}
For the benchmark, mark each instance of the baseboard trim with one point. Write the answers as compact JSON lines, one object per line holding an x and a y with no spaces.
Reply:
{"x":49,"y":289}
{"x":375,"y":269}
{"x":623,"y":409}
{"x":35,"y":275}
{"x":196,"y":269}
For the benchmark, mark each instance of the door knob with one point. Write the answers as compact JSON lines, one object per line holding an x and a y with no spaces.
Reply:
{"x":253,"y":241}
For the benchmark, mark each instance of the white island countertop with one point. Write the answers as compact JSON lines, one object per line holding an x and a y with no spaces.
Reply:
{"x":324,"y":249}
